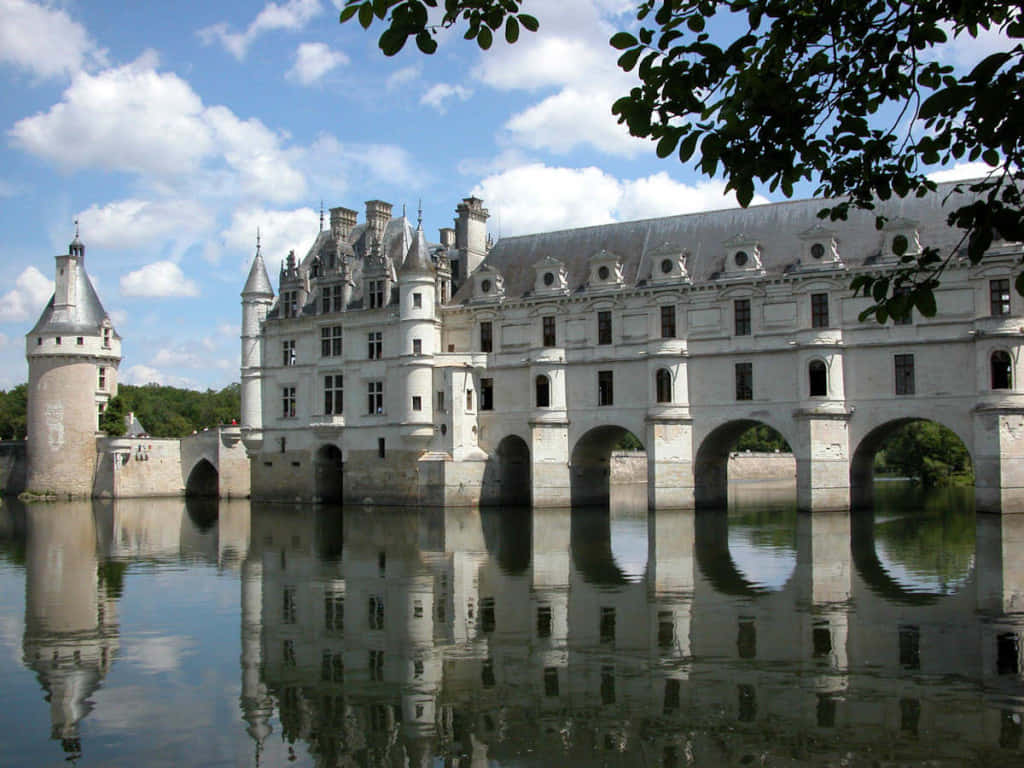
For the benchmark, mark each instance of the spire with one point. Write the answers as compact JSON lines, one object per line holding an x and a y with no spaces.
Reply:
{"x":77,"y":247}
{"x":417,"y":260}
{"x":321,"y":215}
{"x":419,"y":216}
{"x":258,"y":283}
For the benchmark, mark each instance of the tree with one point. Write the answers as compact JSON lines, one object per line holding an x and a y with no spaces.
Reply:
{"x":926,"y":451}
{"x":848,"y":95}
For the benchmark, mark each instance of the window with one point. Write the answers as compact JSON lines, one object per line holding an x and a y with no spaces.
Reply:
{"x":288,"y":402}
{"x":908,"y":318}
{"x":469,"y":399}
{"x":417,"y":403}
{"x":417,"y":301}
{"x":746,"y":639}
{"x":604,"y":327}
{"x":817,"y":374}
{"x":663,"y":386}
{"x":487,"y":615}
{"x":741,"y":317}
{"x":376,"y":291}
{"x":334,"y":611}
{"x":375,"y":397}
{"x":440,"y":401}
{"x":80,"y":341}
{"x":550,"y":681}
{"x":607,"y":627}
{"x":374,"y":345}
{"x":103,"y":377}
{"x":1002,"y":370}
{"x":668,"y":322}
{"x":288,"y":352}
{"x":607,"y":685}
{"x":548,"y":330}
{"x":605,"y":394}
{"x":666,"y":630}
{"x":288,"y":606}
{"x":334,"y":391}
{"x":910,"y":647}
{"x":331,"y":299}
{"x":544,"y":621}
{"x":382,"y":451}
{"x":543,"y":392}
{"x":58,"y":340}
{"x":744,"y":381}
{"x":332,"y":667}
{"x":417,"y":347}
{"x":290,"y":303}
{"x":376,"y":614}
{"x":486,"y":336}
{"x":486,"y":394}
{"x":330,"y":341}
{"x":376,"y":665}
{"x":999,"y":296}
{"x":106,"y":338}
{"x":819,"y":310}
{"x":904,"y":374}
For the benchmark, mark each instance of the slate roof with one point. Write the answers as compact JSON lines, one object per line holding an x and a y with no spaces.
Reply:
{"x":258,"y":283}
{"x":85,"y":317}
{"x":776,"y":227}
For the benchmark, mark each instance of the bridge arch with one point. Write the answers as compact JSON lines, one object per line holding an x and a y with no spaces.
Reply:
{"x":724,"y":570}
{"x":590,"y":464}
{"x":862,"y":461}
{"x":203,"y":480}
{"x":328,"y":469}
{"x":711,"y":474}
{"x":507,"y":474}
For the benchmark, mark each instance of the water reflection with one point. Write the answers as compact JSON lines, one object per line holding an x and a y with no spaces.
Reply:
{"x":373,"y":636}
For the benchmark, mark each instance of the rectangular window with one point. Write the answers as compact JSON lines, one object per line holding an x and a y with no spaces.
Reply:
{"x":548,"y":324}
{"x":909,"y":317}
{"x":58,"y":340}
{"x":330,"y":341}
{"x":417,"y":347}
{"x":374,"y":345}
{"x":607,"y":627}
{"x":376,"y":666}
{"x":376,"y":612}
{"x":334,"y":611}
{"x":288,"y":402}
{"x":469,"y":399}
{"x":605,"y":394}
{"x":376,"y":290}
{"x":417,"y":301}
{"x":334,"y":391}
{"x":486,"y":337}
{"x":486,"y":394}
{"x":417,"y":403}
{"x":288,"y":606}
{"x":741,"y":317}
{"x":103,"y":377}
{"x":375,"y":398}
{"x":290,"y":303}
{"x":819,"y":310}
{"x":910,"y":646}
{"x":106,"y":338}
{"x":487,"y":615}
{"x":288,"y":352}
{"x":668,"y":322}
{"x":382,"y":449}
{"x":80,"y":341}
{"x":604,"y":327}
{"x":744,"y":381}
{"x":440,"y":401}
{"x":904,"y":373}
{"x":544,"y":621}
{"x":999,"y":296}
{"x":551,"y":681}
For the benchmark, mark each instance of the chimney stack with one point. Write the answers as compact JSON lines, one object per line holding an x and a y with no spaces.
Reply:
{"x":447,"y":236}
{"x":343,"y":221}
{"x":378,"y":213}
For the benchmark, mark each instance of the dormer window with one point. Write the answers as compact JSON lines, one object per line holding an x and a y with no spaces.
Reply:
{"x":743,"y":256}
{"x":668,"y":264}
{"x":550,"y":277}
{"x":819,"y":248}
{"x":376,"y":293}
{"x":605,"y":271}
{"x":901,"y":239}
{"x":489,"y":284}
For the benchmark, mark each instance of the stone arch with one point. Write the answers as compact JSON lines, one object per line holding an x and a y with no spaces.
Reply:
{"x":711,"y":464}
{"x":663,"y":386}
{"x":817,"y":378}
{"x":507,"y":474}
{"x":862,"y":461}
{"x":203,"y":480}
{"x":716,"y":561}
{"x":590,"y":464}
{"x":1000,"y":370}
{"x":327,"y":468}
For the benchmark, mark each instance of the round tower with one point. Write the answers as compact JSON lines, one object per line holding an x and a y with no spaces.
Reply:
{"x":257,"y":296}
{"x":73,"y":354}
{"x":418,"y":321}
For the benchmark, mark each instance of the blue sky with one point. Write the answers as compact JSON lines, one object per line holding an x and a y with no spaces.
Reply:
{"x":173,"y":132}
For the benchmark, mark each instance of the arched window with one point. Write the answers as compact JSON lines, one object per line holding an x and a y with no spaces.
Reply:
{"x":818,"y":375}
{"x":663,"y":386}
{"x":543,"y":392}
{"x":1002,"y":370}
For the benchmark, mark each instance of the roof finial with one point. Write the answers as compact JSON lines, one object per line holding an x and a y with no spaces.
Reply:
{"x":257,"y":241}
{"x":76,"y":226}
{"x":403,"y":210}
{"x":419,"y":215}
{"x":321,"y":214}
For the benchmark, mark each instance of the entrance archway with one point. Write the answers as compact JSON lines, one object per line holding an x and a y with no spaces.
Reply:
{"x":711,"y":467}
{"x":591,"y":467}
{"x":203,"y":480}
{"x":920,"y":449}
{"x":328,"y":473}
{"x":507,"y":475}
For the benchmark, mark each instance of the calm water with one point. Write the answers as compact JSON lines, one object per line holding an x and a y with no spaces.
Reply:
{"x":155,"y":633}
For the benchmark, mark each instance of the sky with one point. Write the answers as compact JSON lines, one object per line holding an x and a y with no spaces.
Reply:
{"x":171,"y":132}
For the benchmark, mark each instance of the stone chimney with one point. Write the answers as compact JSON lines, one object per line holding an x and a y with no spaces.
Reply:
{"x":378,"y":213}
{"x":471,"y":233}
{"x":343,"y":221}
{"x":447,"y":236}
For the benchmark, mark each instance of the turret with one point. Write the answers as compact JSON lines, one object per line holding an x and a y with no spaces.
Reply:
{"x":73,"y":354}
{"x":470,"y":237}
{"x":417,"y":314}
{"x":257,"y":296}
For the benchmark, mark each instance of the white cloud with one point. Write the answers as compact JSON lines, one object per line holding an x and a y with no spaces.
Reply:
{"x":32,"y":289}
{"x":140,"y":375}
{"x":280,"y":231}
{"x":965,"y":51}
{"x":438,"y":94}
{"x":542,"y":62}
{"x":332,"y":165}
{"x":313,"y":61}
{"x":157,"y":655}
{"x":538,"y":198}
{"x":293,"y":15}
{"x":402,"y":77}
{"x":44,"y":41}
{"x":132,"y":223}
{"x":183,"y":356}
{"x":962,"y":172}
{"x":118,"y":317}
{"x":158,"y":280}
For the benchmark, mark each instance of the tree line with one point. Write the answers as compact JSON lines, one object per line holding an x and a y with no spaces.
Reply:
{"x":163,"y":411}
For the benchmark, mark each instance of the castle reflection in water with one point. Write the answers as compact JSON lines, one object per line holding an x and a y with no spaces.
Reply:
{"x":382,"y":636}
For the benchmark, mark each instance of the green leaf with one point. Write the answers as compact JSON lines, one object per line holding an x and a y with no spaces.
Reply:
{"x":529,"y":22}
{"x":484,"y":38}
{"x":380,"y":8}
{"x":925,"y":302}
{"x":425,"y":42}
{"x":622,"y":40}
{"x":366,"y":15}
{"x":511,"y":30}
{"x":667,"y":144}
{"x":392,"y":41}
{"x":347,"y":13}
{"x":628,"y":60}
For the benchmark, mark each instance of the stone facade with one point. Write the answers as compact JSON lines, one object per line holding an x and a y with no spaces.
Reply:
{"x":391,"y":370}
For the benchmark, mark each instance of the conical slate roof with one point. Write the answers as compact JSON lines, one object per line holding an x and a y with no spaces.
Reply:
{"x":84,"y":317}
{"x":258,"y":283}
{"x":417,"y":260}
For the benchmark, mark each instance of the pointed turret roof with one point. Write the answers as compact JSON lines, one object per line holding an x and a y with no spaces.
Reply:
{"x":86,"y":315}
{"x":258,"y":283}
{"x":417,"y":260}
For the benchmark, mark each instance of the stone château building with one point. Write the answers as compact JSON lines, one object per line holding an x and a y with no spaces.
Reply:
{"x":391,"y":369}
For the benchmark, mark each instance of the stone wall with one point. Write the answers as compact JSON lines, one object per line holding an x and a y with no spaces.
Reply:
{"x":150,"y":467}
{"x":761,"y":466}
{"x":628,"y":467}
{"x":13,"y":459}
